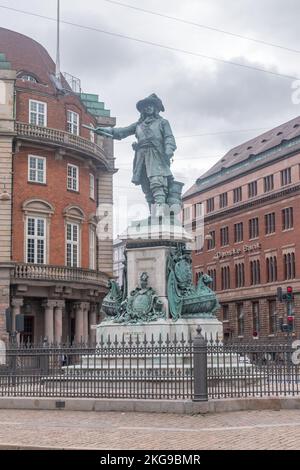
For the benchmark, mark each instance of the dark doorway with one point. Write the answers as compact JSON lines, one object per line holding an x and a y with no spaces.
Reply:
{"x":27,"y":336}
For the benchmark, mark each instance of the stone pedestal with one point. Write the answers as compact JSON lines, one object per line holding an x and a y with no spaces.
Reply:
{"x":184,"y":327}
{"x":148,"y":247}
{"x":148,"y":244}
{"x":152,"y":260}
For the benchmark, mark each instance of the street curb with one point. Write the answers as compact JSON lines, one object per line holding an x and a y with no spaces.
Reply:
{"x":10,"y":446}
{"x":151,"y":406}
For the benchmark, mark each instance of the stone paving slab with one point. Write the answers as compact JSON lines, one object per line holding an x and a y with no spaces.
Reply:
{"x":149,"y":431}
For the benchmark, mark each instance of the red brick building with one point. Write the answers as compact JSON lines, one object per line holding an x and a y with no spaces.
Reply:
{"x":250,"y":201}
{"x":55,"y":184}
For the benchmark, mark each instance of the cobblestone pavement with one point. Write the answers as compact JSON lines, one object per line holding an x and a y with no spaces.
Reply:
{"x":150,"y":431}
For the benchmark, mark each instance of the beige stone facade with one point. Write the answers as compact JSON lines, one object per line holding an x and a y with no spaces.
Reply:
{"x":7,"y":87}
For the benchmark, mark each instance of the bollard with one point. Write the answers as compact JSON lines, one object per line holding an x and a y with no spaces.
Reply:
{"x":200,"y":367}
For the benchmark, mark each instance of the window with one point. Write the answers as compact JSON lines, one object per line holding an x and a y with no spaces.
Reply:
{"x":286,"y":176}
{"x":255,"y":272}
{"x":37,"y":113}
{"x":92,"y":250}
{"x":240,"y":319}
{"x":272,"y":317}
{"x":252,"y":189}
{"x":73,"y":245}
{"x":213,"y":274}
{"x":28,"y":78}
{"x":210,"y":205}
{"x":253,"y":228}
{"x":287,"y":218}
{"x":92,"y":186}
{"x":199,"y":243}
{"x":255,"y":318}
{"x":270,"y":223}
{"x":73,"y":122}
{"x":271,"y":268}
{"x":225,"y":277}
{"x":237,"y":194}
{"x":289,"y":266}
{"x":198,"y":275}
{"x":268,"y":183}
{"x":223,"y":200}
{"x":199,"y":209}
{"x":187,"y":213}
{"x":238,"y":232}
{"x":224,"y":236}
{"x":211,"y":241}
{"x":239,"y":275}
{"x":225,"y":309}
{"x":36,"y":169}
{"x":73,"y":179}
{"x":36,"y":240}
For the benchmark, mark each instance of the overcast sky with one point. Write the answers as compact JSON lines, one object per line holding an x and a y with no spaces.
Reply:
{"x":200,"y":96}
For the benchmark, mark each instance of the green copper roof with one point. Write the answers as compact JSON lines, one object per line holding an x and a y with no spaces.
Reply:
{"x":93,"y":105}
{"x":4,"y":64}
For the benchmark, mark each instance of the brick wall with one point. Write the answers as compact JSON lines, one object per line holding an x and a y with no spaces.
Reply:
{"x":57,"y":106}
{"x":230,"y":326}
{"x":56,"y":193}
{"x":274,"y":244}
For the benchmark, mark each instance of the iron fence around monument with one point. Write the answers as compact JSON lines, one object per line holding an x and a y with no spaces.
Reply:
{"x":140,"y":368}
{"x":253,"y":369}
{"x":130,"y":367}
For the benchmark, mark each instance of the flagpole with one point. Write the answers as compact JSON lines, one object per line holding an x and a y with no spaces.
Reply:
{"x":57,"y":68}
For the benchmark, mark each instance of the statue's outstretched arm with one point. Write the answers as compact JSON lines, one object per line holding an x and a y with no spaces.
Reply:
{"x":118,"y":133}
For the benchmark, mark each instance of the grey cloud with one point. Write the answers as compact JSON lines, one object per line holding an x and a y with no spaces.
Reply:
{"x":199,"y":96}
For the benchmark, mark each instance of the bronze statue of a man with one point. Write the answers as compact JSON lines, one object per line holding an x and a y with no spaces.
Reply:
{"x":154,"y":149}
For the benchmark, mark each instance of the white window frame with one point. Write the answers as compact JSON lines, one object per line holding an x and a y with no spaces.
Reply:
{"x":92,"y":186}
{"x":26,"y":77}
{"x":72,"y":122}
{"x":199,"y":211}
{"x":92,"y":248}
{"x":71,"y":178}
{"x":35,"y":239}
{"x":73,"y":243}
{"x":36,"y":169}
{"x":37,"y":113}
{"x":187,"y":213}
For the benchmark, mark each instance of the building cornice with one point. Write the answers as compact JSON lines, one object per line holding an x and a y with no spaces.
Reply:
{"x":282,"y":193}
{"x":283,"y":154}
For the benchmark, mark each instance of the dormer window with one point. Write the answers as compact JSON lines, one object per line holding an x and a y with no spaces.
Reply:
{"x":27,"y":77}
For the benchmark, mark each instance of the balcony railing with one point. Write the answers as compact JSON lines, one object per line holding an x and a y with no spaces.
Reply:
{"x":48,"y":272}
{"x":60,"y":137}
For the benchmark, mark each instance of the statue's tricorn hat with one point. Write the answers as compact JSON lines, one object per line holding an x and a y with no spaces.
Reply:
{"x":151,"y":99}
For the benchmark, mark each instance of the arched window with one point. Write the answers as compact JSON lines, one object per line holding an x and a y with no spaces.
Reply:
{"x":74,"y":216}
{"x":36,"y":230}
{"x":27,"y":77}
